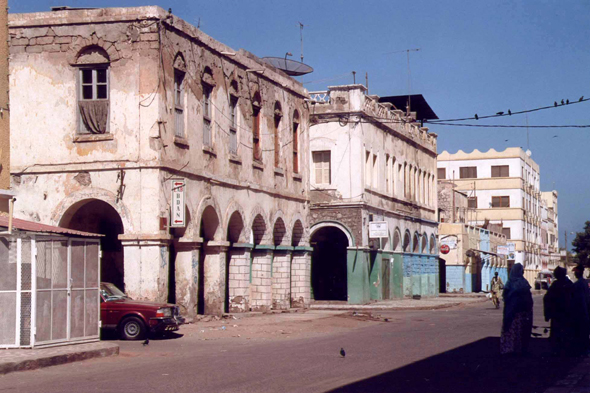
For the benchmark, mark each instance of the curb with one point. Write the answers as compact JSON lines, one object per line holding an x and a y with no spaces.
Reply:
{"x":40,"y":361}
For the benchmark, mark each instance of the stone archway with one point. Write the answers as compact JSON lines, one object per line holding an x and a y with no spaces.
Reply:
{"x":329,"y":275}
{"x":97,"y":216}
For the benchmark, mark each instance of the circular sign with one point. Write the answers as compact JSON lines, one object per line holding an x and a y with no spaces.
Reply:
{"x":444,"y":248}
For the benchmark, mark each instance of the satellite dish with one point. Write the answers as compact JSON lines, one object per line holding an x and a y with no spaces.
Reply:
{"x":290,"y":67}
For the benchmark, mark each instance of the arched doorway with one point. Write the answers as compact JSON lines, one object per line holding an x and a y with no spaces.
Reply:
{"x":328,"y":264}
{"x":96,"y":216}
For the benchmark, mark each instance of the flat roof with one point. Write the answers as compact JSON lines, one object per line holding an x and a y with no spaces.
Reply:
{"x":30,"y":226}
{"x":418,"y":104}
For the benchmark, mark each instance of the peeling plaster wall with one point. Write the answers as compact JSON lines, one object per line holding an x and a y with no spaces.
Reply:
{"x":132,"y":166}
{"x":4,"y":112}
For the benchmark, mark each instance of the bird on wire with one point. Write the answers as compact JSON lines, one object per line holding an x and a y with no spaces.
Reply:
{"x":509,"y":112}
{"x":342,"y":352}
{"x":476,"y":117}
{"x":562,"y":103}
{"x":499,"y":113}
{"x":146,"y":342}
{"x":567,"y":102}
{"x":555,"y":136}
{"x":505,"y":140}
{"x":554,"y":103}
{"x":581,"y":99}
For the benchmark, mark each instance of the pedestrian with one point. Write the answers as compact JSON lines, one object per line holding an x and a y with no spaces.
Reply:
{"x":580,"y":316}
{"x":496,"y":286}
{"x":517,"y":323}
{"x":556,"y":307}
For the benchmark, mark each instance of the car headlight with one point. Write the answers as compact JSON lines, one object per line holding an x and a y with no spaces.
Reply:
{"x":164,"y":313}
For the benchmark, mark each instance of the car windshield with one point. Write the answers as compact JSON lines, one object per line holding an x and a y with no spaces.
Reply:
{"x":111,"y":292}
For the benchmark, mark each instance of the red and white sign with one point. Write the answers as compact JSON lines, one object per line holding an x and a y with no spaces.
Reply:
{"x":177,"y":210}
{"x":444,"y":248}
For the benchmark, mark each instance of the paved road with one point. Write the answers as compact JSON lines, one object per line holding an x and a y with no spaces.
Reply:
{"x":449,"y":350}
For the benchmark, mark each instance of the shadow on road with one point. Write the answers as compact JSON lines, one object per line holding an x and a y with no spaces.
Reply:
{"x":112,"y":335}
{"x":477,"y":367}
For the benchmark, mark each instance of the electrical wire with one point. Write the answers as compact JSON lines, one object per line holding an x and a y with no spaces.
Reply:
{"x":555,"y":105}
{"x":511,"y":126}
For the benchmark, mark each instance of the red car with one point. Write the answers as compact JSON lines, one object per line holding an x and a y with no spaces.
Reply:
{"x":135,"y":319}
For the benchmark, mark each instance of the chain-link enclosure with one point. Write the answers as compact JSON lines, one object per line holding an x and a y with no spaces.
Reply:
{"x":49,"y":290}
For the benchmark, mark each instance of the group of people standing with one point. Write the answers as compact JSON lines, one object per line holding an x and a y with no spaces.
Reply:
{"x":566,"y":305}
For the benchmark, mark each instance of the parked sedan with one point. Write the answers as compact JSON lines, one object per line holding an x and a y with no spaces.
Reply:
{"x":544,"y":280}
{"x":135,"y":319}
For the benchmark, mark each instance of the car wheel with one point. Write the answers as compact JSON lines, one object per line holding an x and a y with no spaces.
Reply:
{"x":132,"y":328}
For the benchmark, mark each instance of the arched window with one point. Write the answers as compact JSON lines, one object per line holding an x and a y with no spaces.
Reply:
{"x":256,"y":107}
{"x":295,"y":142}
{"x":278,"y":115}
{"x":93,"y":98}
{"x":208,"y":83}
{"x":233,"y":117}
{"x":179,"y":73}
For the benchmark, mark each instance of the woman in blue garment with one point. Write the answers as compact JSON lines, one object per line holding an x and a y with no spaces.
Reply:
{"x":517,"y":324}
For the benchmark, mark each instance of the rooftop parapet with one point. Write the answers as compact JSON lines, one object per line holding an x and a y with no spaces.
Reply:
{"x":353,"y":100}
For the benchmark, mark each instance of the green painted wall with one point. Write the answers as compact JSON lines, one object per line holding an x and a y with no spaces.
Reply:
{"x":358,"y":276}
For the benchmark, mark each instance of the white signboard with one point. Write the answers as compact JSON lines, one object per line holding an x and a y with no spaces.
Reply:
{"x":450,"y":241}
{"x":177,"y":210}
{"x":503,"y":250}
{"x":511,"y":247}
{"x":378,"y":229}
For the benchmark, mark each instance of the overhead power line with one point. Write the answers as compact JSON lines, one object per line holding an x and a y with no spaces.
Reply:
{"x":511,"y":126}
{"x":510,"y":113}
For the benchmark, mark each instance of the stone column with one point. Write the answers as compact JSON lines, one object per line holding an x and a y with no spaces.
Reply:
{"x":261,"y":298}
{"x":301,"y":277}
{"x":281,"y":278}
{"x":146,"y":266}
{"x":239,"y":265}
{"x":187,"y":275}
{"x":214,"y":280}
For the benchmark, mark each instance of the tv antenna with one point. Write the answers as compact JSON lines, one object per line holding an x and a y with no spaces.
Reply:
{"x":408,"y":108}
{"x":301,"y":35}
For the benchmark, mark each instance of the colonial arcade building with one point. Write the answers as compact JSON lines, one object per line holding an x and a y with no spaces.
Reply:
{"x":371,"y":162}
{"x":109,"y":107}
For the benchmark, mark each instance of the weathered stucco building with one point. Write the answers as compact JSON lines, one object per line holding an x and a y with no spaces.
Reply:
{"x":111,"y":106}
{"x":5,"y":195}
{"x":371,"y":163}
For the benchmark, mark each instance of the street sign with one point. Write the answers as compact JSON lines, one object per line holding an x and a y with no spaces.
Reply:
{"x":451,"y":242}
{"x":444,"y":249}
{"x":378,"y":229}
{"x":177,"y":210}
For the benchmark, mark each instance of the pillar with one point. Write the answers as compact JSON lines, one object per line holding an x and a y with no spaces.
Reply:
{"x":281,"y":278}
{"x":239,"y":259}
{"x":214,"y":276}
{"x":187,"y":275}
{"x":301,"y":277}
{"x":260,"y":295}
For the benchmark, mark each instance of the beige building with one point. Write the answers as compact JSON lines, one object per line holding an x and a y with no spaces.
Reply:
{"x":6,"y":196}
{"x":115,"y":109}
{"x":372,"y":165}
{"x":503,"y":188}
{"x":551,"y":222}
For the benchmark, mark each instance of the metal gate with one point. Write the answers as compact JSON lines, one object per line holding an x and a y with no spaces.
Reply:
{"x":49,"y":294}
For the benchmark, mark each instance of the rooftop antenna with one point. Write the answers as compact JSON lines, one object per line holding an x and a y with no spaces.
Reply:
{"x":408,"y":108}
{"x":301,"y":35}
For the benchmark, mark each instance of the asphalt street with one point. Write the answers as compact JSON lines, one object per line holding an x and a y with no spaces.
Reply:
{"x":447,"y":350}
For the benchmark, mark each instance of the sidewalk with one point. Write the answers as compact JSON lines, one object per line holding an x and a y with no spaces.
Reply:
{"x":577,"y":381}
{"x":30,"y":359}
{"x":444,"y":300}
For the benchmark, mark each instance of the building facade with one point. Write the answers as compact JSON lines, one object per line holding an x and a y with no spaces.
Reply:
{"x":551,"y":220}
{"x":6,"y":197}
{"x":116,"y":110}
{"x":371,"y":166}
{"x":503,"y":188}
{"x":471,"y":256}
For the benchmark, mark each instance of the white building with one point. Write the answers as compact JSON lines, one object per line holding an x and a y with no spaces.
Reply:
{"x":504,"y":188}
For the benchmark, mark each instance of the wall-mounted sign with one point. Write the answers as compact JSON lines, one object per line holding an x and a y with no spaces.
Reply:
{"x":444,"y":249}
{"x":503,"y":250}
{"x":378,"y":229}
{"x":450,"y":241}
{"x":177,"y":210}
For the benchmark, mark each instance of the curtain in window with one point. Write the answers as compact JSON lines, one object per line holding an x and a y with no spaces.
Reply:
{"x":95,"y":115}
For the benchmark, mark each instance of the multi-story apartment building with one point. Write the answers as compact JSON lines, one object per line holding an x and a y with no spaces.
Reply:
{"x":373,"y":167}
{"x":503,"y":188}
{"x":549,"y":199}
{"x":116,"y":111}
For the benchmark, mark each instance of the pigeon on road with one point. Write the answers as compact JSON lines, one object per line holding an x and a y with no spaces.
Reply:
{"x":146,"y":342}
{"x":342,"y":352}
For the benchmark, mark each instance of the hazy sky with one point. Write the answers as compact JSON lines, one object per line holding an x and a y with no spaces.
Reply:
{"x":475,"y":57}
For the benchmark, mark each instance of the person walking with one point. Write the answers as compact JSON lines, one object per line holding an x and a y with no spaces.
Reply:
{"x":496,"y":286}
{"x":556,"y":307}
{"x":517,"y":323}
{"x":580,"y":315}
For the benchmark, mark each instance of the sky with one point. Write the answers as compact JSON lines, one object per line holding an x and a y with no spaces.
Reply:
{"x":474,"y":57}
